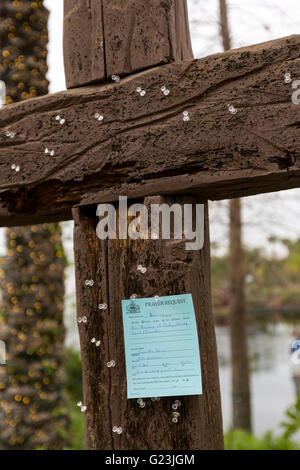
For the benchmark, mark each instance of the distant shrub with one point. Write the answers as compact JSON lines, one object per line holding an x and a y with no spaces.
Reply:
{"x":73,"y":373}
{"x":241,"y":440}
{"x":292,"y":423}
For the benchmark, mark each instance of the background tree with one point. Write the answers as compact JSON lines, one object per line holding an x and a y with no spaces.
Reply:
{"x":31,"y":402}
{"x":241,"y":401}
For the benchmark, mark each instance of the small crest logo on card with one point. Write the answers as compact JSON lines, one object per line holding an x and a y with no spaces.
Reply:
{"x":133,"y":308}
{"x":2,"y":353}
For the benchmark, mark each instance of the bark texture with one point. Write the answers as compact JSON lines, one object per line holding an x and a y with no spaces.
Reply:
{"x":170,"y":270}
{"x":143,"y":147}
{"x":106,"y":37}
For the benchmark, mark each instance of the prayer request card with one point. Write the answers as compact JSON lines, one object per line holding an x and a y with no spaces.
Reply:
{"x":161,"y":347}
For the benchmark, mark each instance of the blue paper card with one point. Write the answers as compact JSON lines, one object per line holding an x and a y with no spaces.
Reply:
{"x":161,"y":347}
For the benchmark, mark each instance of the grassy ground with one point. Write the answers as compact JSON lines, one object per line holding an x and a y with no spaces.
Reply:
{"x":74,"y":394}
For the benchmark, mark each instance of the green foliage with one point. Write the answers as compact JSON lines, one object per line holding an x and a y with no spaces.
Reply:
{"x":73,"y":372}
{"x":73,"y":383}
{"x":76,"y":431}
{"x":60,"y":253}
{"x":241,"y":440}
{"x":292,"y":423}
{"x":59,"y":411}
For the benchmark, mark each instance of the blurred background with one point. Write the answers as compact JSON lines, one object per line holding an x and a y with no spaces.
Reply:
{"x":255,"y":248}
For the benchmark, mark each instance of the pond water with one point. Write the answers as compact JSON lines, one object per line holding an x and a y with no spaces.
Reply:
{"x":272,"y":387}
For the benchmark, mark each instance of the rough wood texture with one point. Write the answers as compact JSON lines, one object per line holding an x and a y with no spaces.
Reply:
{"x":143,"y":147}
{"x":20,"y":219}
{"x":170,"y":270}
{"x":106,"y":37}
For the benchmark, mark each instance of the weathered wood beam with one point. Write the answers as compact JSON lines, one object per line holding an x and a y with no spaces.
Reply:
{"x":112,"y":264}
{"x":20,"y":219}
{"x":143,"y":147}
{"x":106,"y":37}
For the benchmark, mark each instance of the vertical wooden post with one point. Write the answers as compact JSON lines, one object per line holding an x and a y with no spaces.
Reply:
{"x":112,"y":265}
{"x":106,"y":37}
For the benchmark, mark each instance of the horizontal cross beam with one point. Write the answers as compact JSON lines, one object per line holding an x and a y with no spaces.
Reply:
{"x":142,"y":146}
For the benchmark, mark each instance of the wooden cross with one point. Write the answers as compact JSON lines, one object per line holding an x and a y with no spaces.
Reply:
{"x":145,"y":150}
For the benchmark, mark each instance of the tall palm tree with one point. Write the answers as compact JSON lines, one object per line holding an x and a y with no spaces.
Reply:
{"x":32,"y":274}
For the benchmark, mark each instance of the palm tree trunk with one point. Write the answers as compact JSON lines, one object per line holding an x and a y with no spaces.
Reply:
{"x":32,"y":413}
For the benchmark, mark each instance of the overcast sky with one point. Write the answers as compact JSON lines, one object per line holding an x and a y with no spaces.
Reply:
{"x":251,"y":21}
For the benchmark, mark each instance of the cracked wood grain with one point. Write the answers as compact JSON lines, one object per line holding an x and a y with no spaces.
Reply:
{"x":142,"y":147}
{"x":106,"y":37}
{"x":84,"y":56}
